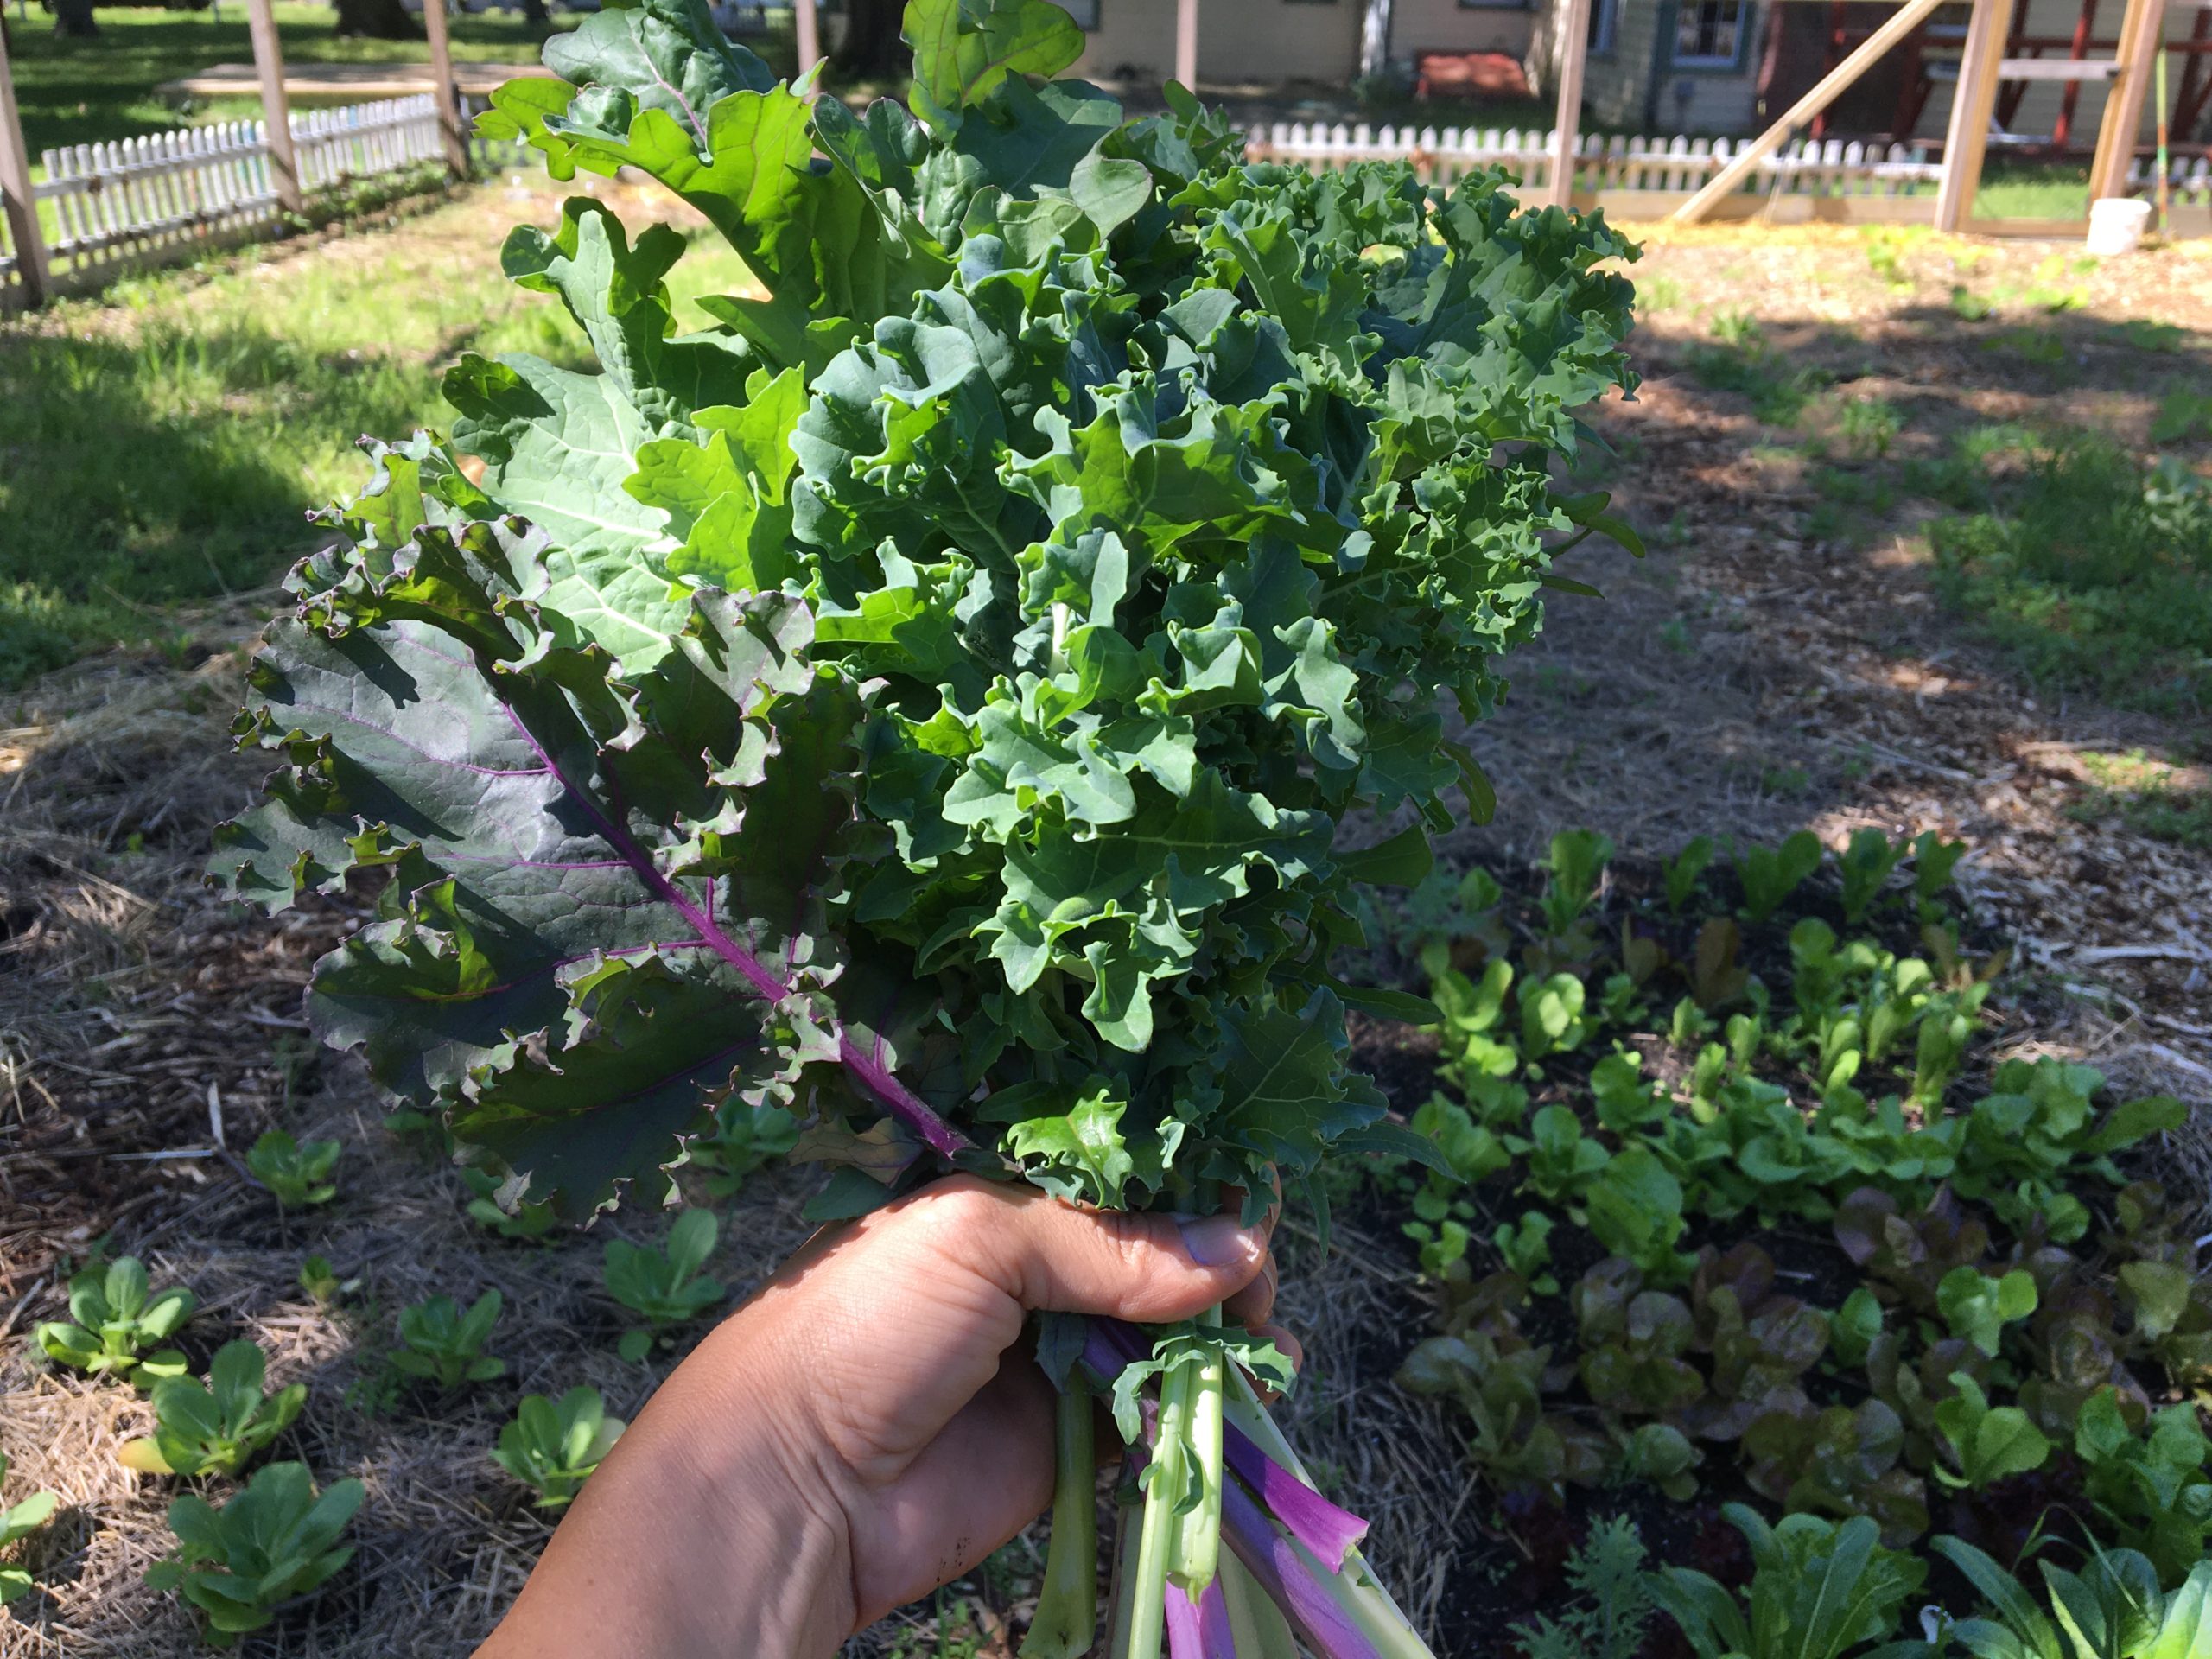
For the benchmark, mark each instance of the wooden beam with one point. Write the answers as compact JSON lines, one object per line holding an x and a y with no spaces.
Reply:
{"x":1825,"y":92}
{"x":276,"y":112}
{"x":1973,"y":100}
{"x":1566,"y":122}
{"x":453,"y":138}
{"x":806,"y":22}
{"x":2140,"y":38}
{"x":1186,"y":43}
{"x":22,"y":202}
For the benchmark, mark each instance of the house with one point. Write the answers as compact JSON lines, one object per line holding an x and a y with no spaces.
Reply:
{"x":1661,"y":67}
{"x":1730,"y":66}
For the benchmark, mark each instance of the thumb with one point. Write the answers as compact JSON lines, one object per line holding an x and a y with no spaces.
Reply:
{"x":1148,"y":1269}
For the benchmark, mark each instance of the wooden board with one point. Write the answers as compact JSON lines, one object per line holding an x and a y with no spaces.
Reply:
{"x":347,"y":80}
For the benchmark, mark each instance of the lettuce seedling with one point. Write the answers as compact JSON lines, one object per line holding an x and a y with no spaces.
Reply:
{"x":275,"y":1541}
{"x":1551,"y":1017}
{"x":1769,"y":876}
{"x":215,"y":1429}
{"x":947,"y":694}
{"x":1819,"y":1589}
{"x":2114,"y":1608}
{"x":1986,"y":1442}
{"x":2151,"y":1487}
{"x":25,"y":1518}
{"x":113,"y":1319}
{"x":1574,"y":872}
{"x":1525,"y":1245}
{"x":530,"y":1221}
{"x":320,"y":1281}
{"x":442,"y":1344}
{"x":743,"y":1138}
{"x":296,"y":1176}
{"x":552,"y":1446}
{"x":664,"y":1285}
{"x":1976,"y":1307}
{"x":1684,"y":869}
{"x":1934,"y":861}
{"x":1838,"y":1461}
{"x":1865,"y":864}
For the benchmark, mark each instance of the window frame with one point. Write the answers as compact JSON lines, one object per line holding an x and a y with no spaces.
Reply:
{"x":1098,"y":14}
{"x":1746,"y":16}
{"x":1605,"y":28}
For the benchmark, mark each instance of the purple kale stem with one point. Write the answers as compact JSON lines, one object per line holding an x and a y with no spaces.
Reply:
{"x":866,"y":1069}
{"x":1329,"y":1531}
{"x":1198,"y":1630}
{"x":1324,"y":1527}
{"x":1274,"y":1561}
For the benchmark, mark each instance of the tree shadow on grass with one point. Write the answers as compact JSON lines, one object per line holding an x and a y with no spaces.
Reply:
{"x":161,"y":467}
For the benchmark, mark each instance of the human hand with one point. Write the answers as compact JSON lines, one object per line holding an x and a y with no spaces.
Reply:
{"x":868,"y":1427}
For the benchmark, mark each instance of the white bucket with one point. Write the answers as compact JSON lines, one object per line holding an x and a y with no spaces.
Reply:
{"x":2117,"y":223}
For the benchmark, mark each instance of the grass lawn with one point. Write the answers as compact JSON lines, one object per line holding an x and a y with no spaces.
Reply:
{"x":83,"y":92}
{"x":2093,"y":575}
{"x":163,"y":444}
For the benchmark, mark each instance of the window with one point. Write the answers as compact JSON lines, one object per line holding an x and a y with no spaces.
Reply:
{"x":1604,"y":17}
{"x":1709,"y":33}
{"x":1085,"y":13}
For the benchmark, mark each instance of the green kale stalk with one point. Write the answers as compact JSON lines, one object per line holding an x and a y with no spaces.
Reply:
{"x":947,"y":695}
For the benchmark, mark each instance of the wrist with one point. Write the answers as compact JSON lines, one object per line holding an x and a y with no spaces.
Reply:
{"x":704,"y":1531}
{"x":767,"y":1551}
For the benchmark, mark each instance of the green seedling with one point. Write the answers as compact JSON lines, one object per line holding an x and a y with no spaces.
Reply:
{"x":215,"y":1428}
{"x":664,"y":1285}
{"x":1576,"y":869}
{"x":1986,"y":1443}
{"x":1976,"y":1307}
{"x":530,"y":1222}
{"x":1865,"y":866}
{"x":1684,"y":871}
{"x":320,"y":1281}
{"x":1769,"y":876}
{"x":275,"y":1542}
{"x":20,"y":1521}
{"x":113,"y":1319}
{"x":296,"y":1176}
{"x":553,"y":1444}
{"x":1526,"y":1246}
{"x":441,"y":1345}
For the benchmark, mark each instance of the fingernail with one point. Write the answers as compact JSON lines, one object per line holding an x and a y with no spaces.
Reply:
{"x":1218,"y":1241}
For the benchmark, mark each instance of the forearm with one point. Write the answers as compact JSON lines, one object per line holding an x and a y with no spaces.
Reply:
{"x":698,"y":1535}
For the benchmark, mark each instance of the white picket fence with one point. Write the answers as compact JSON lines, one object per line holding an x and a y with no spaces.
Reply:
{"x":1602,"y":162}
{"x":1665,"y":168}
{"x":141,"y":199}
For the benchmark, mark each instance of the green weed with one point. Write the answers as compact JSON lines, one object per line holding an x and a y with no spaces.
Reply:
{"x":2147,"y":796}
{"x":2093,"y":575}
{"x":1870,"y":426}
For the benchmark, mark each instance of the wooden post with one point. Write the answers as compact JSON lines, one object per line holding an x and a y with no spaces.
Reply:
{"x":807,"y":25}
{"x":2141,"y":36}
{"x":16,"y":186}
{"x":276,"y":111}
{"x":452,"y":135}
{"x":1186,"y":43}
{"x":1825,"y":92}
{"x":1972,"y":98}
{"x":1567,"y":121}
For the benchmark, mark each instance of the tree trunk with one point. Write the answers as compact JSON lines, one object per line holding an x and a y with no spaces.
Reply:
{"x":378,"y":20}
{"x":534,"y":13}
{"x":74,"y":19}
{"x":1375,"y":38}
{"x":872,"y":49}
